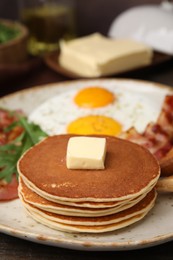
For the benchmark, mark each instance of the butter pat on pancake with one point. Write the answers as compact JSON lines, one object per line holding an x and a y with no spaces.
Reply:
{"x":86,"y":153}
{"x":96,"y":55}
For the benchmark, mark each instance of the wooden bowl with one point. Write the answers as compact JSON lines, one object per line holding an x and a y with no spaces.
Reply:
{"x":14,"y":51}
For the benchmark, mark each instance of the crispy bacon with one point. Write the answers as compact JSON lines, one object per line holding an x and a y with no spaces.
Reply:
{"x":165,"y":118}
{"x":157,"y":137}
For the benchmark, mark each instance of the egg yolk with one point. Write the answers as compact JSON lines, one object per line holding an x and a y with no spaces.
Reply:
{"x":95,"y":124}
{"x":93,"y":97}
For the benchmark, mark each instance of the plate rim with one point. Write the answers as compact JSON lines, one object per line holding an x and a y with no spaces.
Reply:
{"x":85,"y":245}
{"x":69,"y":82}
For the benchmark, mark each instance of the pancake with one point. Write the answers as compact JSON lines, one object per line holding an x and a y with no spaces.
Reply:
{"x":130,"y":171}
{"x":41,"y":203}
{"x":92,"y":201}
{"x":87,"y":204}
{"x":83,"y":229}
{"x":97,"y":224}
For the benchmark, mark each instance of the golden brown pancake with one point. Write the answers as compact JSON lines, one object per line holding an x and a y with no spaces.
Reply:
{"x":34,"y":199}
{"x":87,"y":204}
{"x":129,"y":171}
{"x":96,"y":224}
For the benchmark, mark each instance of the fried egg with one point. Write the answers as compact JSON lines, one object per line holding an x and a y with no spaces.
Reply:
{"x":93,"y":97}
{"x":117,"y":111}
{"x":91,"y":124}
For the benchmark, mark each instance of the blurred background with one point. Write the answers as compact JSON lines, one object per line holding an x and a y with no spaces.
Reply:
{"x":91,"y":15}
{"x":49,"y":25}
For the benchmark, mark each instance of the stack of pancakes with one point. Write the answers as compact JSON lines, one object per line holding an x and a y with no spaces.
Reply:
{"x":87,"y":200}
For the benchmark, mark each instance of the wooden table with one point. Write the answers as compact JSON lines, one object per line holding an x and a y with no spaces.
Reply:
{"x":14,"y":248}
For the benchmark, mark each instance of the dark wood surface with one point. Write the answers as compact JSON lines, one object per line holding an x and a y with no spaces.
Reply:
{"x":14,"y":248}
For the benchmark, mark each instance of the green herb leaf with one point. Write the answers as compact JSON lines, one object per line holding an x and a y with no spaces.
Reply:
{"x":11,"y":152}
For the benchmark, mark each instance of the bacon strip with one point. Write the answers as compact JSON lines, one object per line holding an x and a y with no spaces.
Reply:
{"x":157,"y":137}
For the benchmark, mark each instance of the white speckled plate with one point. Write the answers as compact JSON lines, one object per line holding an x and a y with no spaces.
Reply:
{"x":154,"y":229}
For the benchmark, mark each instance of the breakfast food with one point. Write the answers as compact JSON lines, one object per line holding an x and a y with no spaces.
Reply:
{"x":126,"y":109}
{"x":86,"y":153}
{"x":158,"y":139}
{"x":8,"y":190}
{"x":64,"y":114}
{"x":157,"y":136}
{"x":165,"y":184}
{"x":87,"y":200}
{"x":96,"y":55}
{"x":16,"y":136}
{"x":92,"y":97}
{"x":95,"y":124}
{"x":166,"y":163}
{"x":128,"y":115}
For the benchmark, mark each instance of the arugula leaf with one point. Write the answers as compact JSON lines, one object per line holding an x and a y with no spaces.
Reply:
{"x":11,"y":152}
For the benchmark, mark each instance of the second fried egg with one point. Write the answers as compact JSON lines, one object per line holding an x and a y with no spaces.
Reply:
{"x":94,"y":124}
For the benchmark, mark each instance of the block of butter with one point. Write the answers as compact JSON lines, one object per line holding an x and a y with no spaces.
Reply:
{"x":96,"y":55}
{"x":86,"y":153}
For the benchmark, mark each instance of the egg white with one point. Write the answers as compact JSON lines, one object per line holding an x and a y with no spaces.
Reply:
{"x":131,"y":108}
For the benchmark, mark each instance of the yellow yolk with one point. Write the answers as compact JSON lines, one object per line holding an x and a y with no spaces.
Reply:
{"x":93,"y":97}
{"x":95,"y":125}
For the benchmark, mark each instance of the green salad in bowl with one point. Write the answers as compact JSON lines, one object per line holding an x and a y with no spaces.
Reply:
{"x":13,"y":42}
{"x":8,"y":33}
